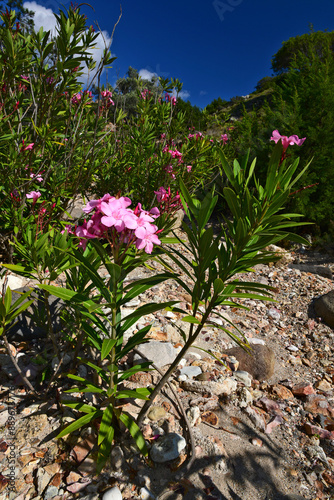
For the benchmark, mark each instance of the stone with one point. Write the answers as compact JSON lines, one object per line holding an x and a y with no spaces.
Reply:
{"x":302,"y":389}
{"x":167,"y":448}
{"x":145,"y":494}
{"x":282,"y":392}
{"x":50,"y":492}
{"x":244,"y":377}
{"x":274,"y":422}
{"x":13,"y":281}
{"x":317,"y":404}
{"x":161,"y":353}
{"x":323,"y":385}
{"x":256,"y":418}
{"x":191,"y":371}
{"x":194,"y":416}
{"x":314,"y":269}
{"x":274,"y":314}
{"x":269,"y":405}
{"x":116,"y":457}
{"x":259,"y":362}
{"x":156,"y":413}
{"x":324,"y":308}
{"x":43,"y":479}
{"x":314,"y":429}
{"x":245,"y":398}
{"x":257,"y":442}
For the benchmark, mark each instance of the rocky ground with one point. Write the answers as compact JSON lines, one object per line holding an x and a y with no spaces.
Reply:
{"x":262,"y":425}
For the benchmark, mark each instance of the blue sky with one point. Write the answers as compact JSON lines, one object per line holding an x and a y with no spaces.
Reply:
{"x":216,"y":48}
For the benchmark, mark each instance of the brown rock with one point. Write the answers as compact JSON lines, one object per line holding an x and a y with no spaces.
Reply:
{"x":302,"y":389}
{"x":323,"y":385}
{"x":311,"y":430}
{"x":269,"y":405}
{"x":259,"y":362}
{"x":142,"y":378}
{"x":317,"y":404}
{"x":282,"y":392}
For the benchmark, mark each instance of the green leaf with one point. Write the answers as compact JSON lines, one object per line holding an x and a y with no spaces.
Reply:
{"x":80,"y":423}
{"x":140,"y":393}
{"x":191,"y":319}
{"x":135,"y":433}
{"x":105,"y":423}
{"x":79,"y":406}
{"x":107,"y":345}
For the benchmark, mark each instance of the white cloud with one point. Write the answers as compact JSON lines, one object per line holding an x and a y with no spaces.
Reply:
{"x":45,"y":18}
{"x":145,"y":74}
{"x":184,"y":94}
{"x":203,"y":92}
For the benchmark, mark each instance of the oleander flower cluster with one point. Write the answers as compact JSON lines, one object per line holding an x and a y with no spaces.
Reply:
{"x":111,"y":218}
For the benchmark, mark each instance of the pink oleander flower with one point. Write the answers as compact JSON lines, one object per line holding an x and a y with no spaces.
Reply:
{"x":163,"y":136}
{"x":96,"y":203}
{"x":34,"y":195}
{"x":36,"y":177}
{"x":173,"y":101}
{"x":29,"y":147}
{"x":189,"y":167}
{"x":286,"y":141}
{"x":148,"y":239}
{"x":175,"y":154}
{"x":160,"y":194}
{"x":224,"y":138}
{"x":115,"y":214}
{"x":190,"y":136}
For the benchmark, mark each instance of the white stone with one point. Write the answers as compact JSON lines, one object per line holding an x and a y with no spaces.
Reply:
{"x":145,"y":494}
{"x":112,"y":494}
{"x":256,"y":341}
{"x":191,"y":371}
{"x":14,"y":282}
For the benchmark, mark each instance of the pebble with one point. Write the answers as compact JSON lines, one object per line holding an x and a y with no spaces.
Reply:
{"x":156,"y":413}
{"x":274,"y":314}
{"x":167,"y":448}
{"x":191,"y":371}
{"x":145,"y":494}
{"x":112,"y":494}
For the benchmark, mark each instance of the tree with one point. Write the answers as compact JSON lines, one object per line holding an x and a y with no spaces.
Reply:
{"x":24,"y":16}
{"x":312,"y":44}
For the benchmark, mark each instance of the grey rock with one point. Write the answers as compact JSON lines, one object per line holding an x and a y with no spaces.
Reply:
{"x":245,"y":398}
{"x":43,"y":479}
{"x":145,"y":494}
{"x":116,"y":457}
{"x":314,"y":269}
{"x":191,"y":371}
{"x":244,"y":377}
{"x":274,"y":314}
{"x":32,"y":323}
{"x":50,"y":492}
{"x":224,"y":387}
{"x":324,"y":308}
{"x":167,"y":448}
{"x":161,"y":353}
{"x":112,"y":494}
{"x":259,"y":362}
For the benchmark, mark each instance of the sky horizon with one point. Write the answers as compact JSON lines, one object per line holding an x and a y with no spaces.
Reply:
{"x":216,"y":49}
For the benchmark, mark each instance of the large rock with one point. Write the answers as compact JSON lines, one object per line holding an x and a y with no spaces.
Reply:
{"x":314,"y":269}
{"x":259,"y":362}
{"x":324,"y":308}
{"x":160,"y":353}
{"x":32,"y":323}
